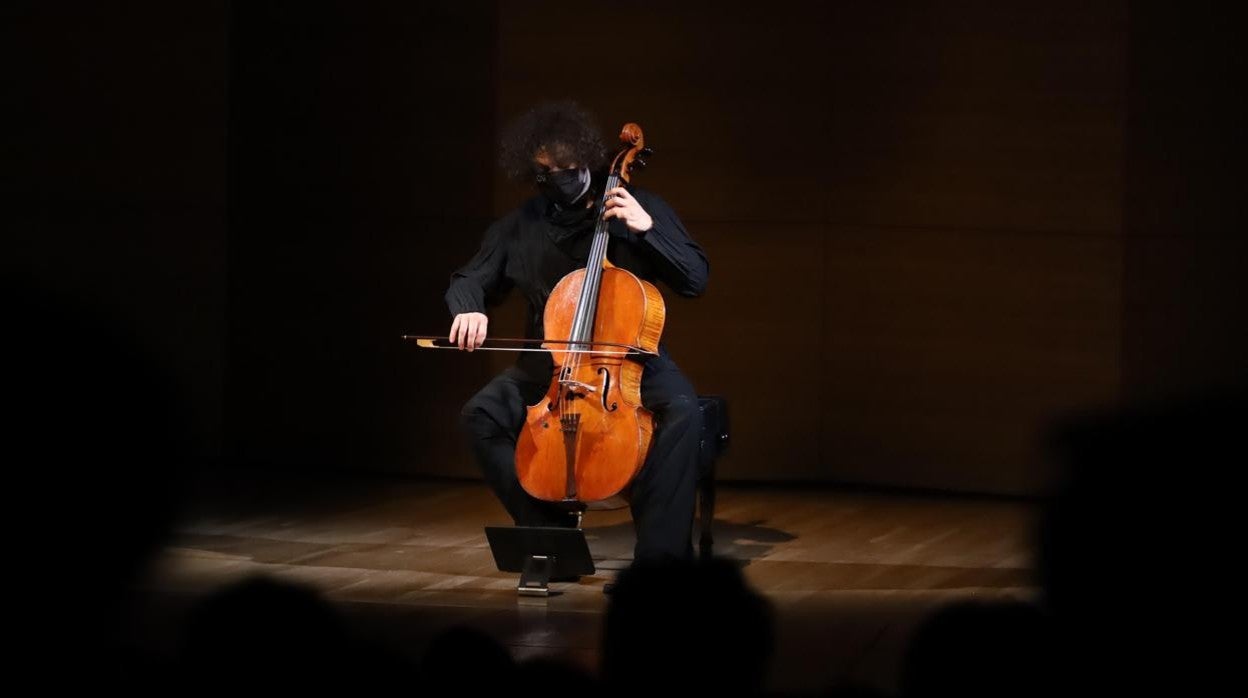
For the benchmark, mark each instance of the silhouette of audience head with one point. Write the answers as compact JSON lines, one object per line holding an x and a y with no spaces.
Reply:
{"x":545,"y":673}
{"x":1135,"y":539}
{"x":686,"y":625}
{"x":468,"y":661}
{"x":263,"y":632}
{"x":97,"y":436}
{"x":95,"y":448}
{"x":981,"y":648}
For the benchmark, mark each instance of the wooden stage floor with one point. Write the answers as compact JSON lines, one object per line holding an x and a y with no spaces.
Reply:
{"x":850,"y":573}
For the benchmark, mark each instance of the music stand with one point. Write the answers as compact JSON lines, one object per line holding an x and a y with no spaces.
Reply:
{"x":539,"y":553}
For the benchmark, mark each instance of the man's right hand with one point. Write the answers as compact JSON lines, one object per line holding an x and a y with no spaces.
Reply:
{"x":468,"y":330}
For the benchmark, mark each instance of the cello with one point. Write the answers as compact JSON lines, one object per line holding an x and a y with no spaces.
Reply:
{"x":587,"y":438}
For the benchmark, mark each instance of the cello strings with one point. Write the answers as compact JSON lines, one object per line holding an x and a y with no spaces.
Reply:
{"x":586,"y":315}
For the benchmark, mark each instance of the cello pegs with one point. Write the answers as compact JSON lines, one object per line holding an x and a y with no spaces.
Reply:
{"x":647,"y":151}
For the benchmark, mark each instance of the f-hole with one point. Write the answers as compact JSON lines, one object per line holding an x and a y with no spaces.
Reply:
{"x":606,"y":387}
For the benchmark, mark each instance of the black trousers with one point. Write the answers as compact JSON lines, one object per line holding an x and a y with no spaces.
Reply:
{"x":664,"y":490}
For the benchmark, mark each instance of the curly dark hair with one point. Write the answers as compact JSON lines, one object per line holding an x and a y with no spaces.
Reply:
{"x":562,"y":128}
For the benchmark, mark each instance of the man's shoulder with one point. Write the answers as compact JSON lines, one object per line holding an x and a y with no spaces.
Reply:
{"x":510,"y":223}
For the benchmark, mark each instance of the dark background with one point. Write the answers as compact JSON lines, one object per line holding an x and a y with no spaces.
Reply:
{"x":933,"y":228}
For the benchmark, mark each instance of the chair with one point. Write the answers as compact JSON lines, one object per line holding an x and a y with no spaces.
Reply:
{"x":714,"y":409}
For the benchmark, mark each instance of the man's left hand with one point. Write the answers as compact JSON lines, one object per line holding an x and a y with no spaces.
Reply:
{"x":620,"y":204}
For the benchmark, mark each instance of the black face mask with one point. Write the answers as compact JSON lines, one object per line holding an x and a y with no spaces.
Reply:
{"x":564,"y":187}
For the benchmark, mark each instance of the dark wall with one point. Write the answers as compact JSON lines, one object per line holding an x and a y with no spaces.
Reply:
{"x":912,"y":212}
{"x":114,"y":180}
{"x":1185,"y":285}
{"x":933,"y":229}
{"x":360,"y":175}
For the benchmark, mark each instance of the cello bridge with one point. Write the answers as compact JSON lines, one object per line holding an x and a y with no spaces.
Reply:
{"x":577,"y":386}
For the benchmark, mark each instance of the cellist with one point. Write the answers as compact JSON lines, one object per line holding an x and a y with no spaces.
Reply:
{"x":557,"y":147}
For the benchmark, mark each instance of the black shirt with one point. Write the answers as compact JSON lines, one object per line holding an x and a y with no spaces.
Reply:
{"x":536,"y":245}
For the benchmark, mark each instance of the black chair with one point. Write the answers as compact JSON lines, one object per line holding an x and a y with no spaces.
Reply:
{"x":714,"y":410}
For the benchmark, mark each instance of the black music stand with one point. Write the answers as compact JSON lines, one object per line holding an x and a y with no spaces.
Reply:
{"x":539,"y":554}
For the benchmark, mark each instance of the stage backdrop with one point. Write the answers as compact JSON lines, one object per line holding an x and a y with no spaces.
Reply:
{"x":926,"y":225}
{"x":112,"y":182}
{"x":913,"y":217}
{"x":933,"y":228}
